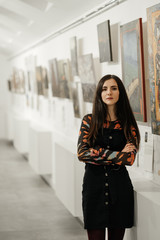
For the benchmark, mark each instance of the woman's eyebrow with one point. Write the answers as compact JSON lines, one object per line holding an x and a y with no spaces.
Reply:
{"x":110,"y":86}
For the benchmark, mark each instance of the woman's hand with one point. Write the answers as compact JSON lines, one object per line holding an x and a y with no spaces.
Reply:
{"x":129,"y":147}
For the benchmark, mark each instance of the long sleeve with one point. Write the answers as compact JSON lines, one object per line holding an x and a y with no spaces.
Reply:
{"x":99,"y":155}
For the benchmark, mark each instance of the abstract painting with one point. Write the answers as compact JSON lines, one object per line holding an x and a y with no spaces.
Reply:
{"x":133,"y":67}
{"x":104,"y":41}
{"x":153,"y":22}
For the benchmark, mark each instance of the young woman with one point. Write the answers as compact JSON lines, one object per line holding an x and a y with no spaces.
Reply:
{"x":108,"y":140}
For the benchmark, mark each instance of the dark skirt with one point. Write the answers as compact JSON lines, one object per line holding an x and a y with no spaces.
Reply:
{"x":107,"y":197}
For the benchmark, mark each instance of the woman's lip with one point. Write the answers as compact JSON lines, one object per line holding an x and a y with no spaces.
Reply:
{"x":109,"y":98}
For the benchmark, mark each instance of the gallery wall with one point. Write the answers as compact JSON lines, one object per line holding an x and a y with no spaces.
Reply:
{"x":59,"y":112}
{"x":5,"y":71}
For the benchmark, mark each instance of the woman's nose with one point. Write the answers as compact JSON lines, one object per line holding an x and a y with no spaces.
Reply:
{"x":108,"y":91}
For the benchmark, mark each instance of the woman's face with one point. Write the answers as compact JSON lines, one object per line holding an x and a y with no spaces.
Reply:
{"x":110,"y":92}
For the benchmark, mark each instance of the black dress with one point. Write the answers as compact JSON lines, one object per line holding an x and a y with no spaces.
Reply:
{"x":107,"y":195}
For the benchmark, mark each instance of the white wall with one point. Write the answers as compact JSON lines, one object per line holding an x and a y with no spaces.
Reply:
{"x":5,"y":71}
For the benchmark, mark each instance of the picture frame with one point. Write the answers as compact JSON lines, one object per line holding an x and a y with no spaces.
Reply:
{"x":133,"y":74}
{"x":87,"y":76}
{"x":104,"y":42}
{"x":153,"y":27}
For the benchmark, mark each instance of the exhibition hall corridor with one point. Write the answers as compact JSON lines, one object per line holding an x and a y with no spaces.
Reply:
{"x":29,"y":208}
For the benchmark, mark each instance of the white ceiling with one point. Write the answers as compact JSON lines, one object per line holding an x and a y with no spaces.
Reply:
{"x":24,"y":22}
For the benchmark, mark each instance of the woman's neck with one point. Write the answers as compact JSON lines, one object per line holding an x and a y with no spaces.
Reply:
{"x":111,"y":114}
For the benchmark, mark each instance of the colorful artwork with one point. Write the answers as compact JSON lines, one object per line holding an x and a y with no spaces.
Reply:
{"x":73,"y":50}
{"x":104,"y":41}
{"x":133,"y":67}
{"x":153,"y":21}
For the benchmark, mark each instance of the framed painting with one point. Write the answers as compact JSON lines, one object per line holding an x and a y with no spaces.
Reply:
{"x":87,"y":76}
{"x":86,"y":68}
{"x":104,"y":41}
{"x":133,"y":67}
{"x":88,"y":92}
{"x":153,"y":25}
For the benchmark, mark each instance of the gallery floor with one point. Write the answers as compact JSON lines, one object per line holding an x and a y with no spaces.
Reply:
{"x":29,"y":208}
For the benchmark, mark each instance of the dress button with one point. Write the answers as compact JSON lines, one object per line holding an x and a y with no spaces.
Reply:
{"x":106,"y":203}
{"x":108,"y":147}
{"x":106,"y":184}
{"x":106,"y":193}
{"x":110,"y":137}
{"x":106,"y":174}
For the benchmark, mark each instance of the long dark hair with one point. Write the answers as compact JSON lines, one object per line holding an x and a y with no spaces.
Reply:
{"x":124,"y":112}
